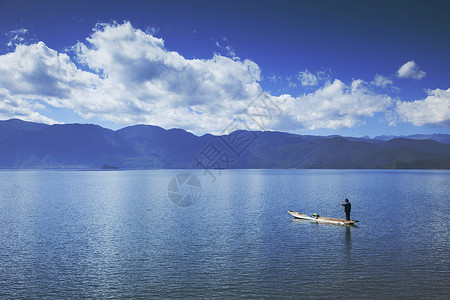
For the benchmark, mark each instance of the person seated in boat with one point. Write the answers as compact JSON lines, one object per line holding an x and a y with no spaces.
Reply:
{"x":348,"y":208}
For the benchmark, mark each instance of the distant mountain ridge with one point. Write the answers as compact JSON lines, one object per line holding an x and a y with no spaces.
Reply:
{"x":84,"y":146}
{"x":438,"y":137}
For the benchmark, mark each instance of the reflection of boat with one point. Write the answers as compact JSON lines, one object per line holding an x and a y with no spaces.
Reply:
{"x":319,"y":219}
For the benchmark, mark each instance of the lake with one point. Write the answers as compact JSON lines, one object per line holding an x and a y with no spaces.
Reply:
{"x":119,"y":234}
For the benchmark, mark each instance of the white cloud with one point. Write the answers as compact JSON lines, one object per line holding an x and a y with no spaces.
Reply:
{"x":229,"y":51}
{"x":148,"y":83}
{"x":273,"y":78}
{"x":336,"y":105}
{"x":36,"y":72}
{"x":128,"y":76}
{"x":290,"y":82}
{"x":15,"y":107}
{"x":307,"y":78}
{"x":410,"y":70}
{"x":434,"y":110}
{"x":381,"y":81}
{"x":16,"y":36}
{"x":133,"y":79}
{"x":18,"y":31}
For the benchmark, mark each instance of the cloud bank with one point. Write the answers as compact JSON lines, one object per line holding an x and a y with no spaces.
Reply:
{"x":434,"y":110}
{"x":125,"y":75}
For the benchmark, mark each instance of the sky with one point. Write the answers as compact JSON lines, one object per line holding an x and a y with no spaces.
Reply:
{"x":352,"y":68}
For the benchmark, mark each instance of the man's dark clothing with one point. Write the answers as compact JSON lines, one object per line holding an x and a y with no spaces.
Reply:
{"x":348,"y":209}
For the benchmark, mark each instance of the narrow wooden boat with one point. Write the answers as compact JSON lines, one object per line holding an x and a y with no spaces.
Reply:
{"x":319,"y":219}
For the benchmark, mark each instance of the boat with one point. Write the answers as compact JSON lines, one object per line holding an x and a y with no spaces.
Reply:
{"x":319,"y":219}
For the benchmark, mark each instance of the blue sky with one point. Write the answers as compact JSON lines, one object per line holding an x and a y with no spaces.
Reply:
{"x":352,"y":68}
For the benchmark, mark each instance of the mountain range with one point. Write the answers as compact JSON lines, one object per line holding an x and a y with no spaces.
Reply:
{"x":84,"y":146}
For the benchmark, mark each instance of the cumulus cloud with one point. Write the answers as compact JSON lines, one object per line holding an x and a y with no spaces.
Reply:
{"x":335,"y":105}
{"x":128,"y":76}
{"x":13,"y":107}
{"x":410,"y":70}
{"x":35,"y":72}
{"x":381,"y":81}
{"x":148,"y":83}
{"x":434,"y":110}
{"x":131,"y":78}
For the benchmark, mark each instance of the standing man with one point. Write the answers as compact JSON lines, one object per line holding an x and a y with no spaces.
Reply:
{"x":348,"y":208}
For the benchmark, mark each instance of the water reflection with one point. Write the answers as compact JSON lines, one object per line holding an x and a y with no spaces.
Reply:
{"x":348,"y":243}
{"x":348,"y":238}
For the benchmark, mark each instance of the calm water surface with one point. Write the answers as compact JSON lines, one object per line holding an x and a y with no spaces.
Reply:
{"x":111,"y":234}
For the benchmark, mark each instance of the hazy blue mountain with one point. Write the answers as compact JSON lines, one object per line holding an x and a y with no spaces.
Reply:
{"x":71,"y":145}
{"x":428,"y":146}
{"x":438,"y":137}
{"x":19,"y":125}
{"x":15,"y":126}
{"x":155,"y":147}
{"x":33,"y":145}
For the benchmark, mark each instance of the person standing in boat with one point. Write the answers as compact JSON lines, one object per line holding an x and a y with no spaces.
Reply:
{"x":348,"y":208}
